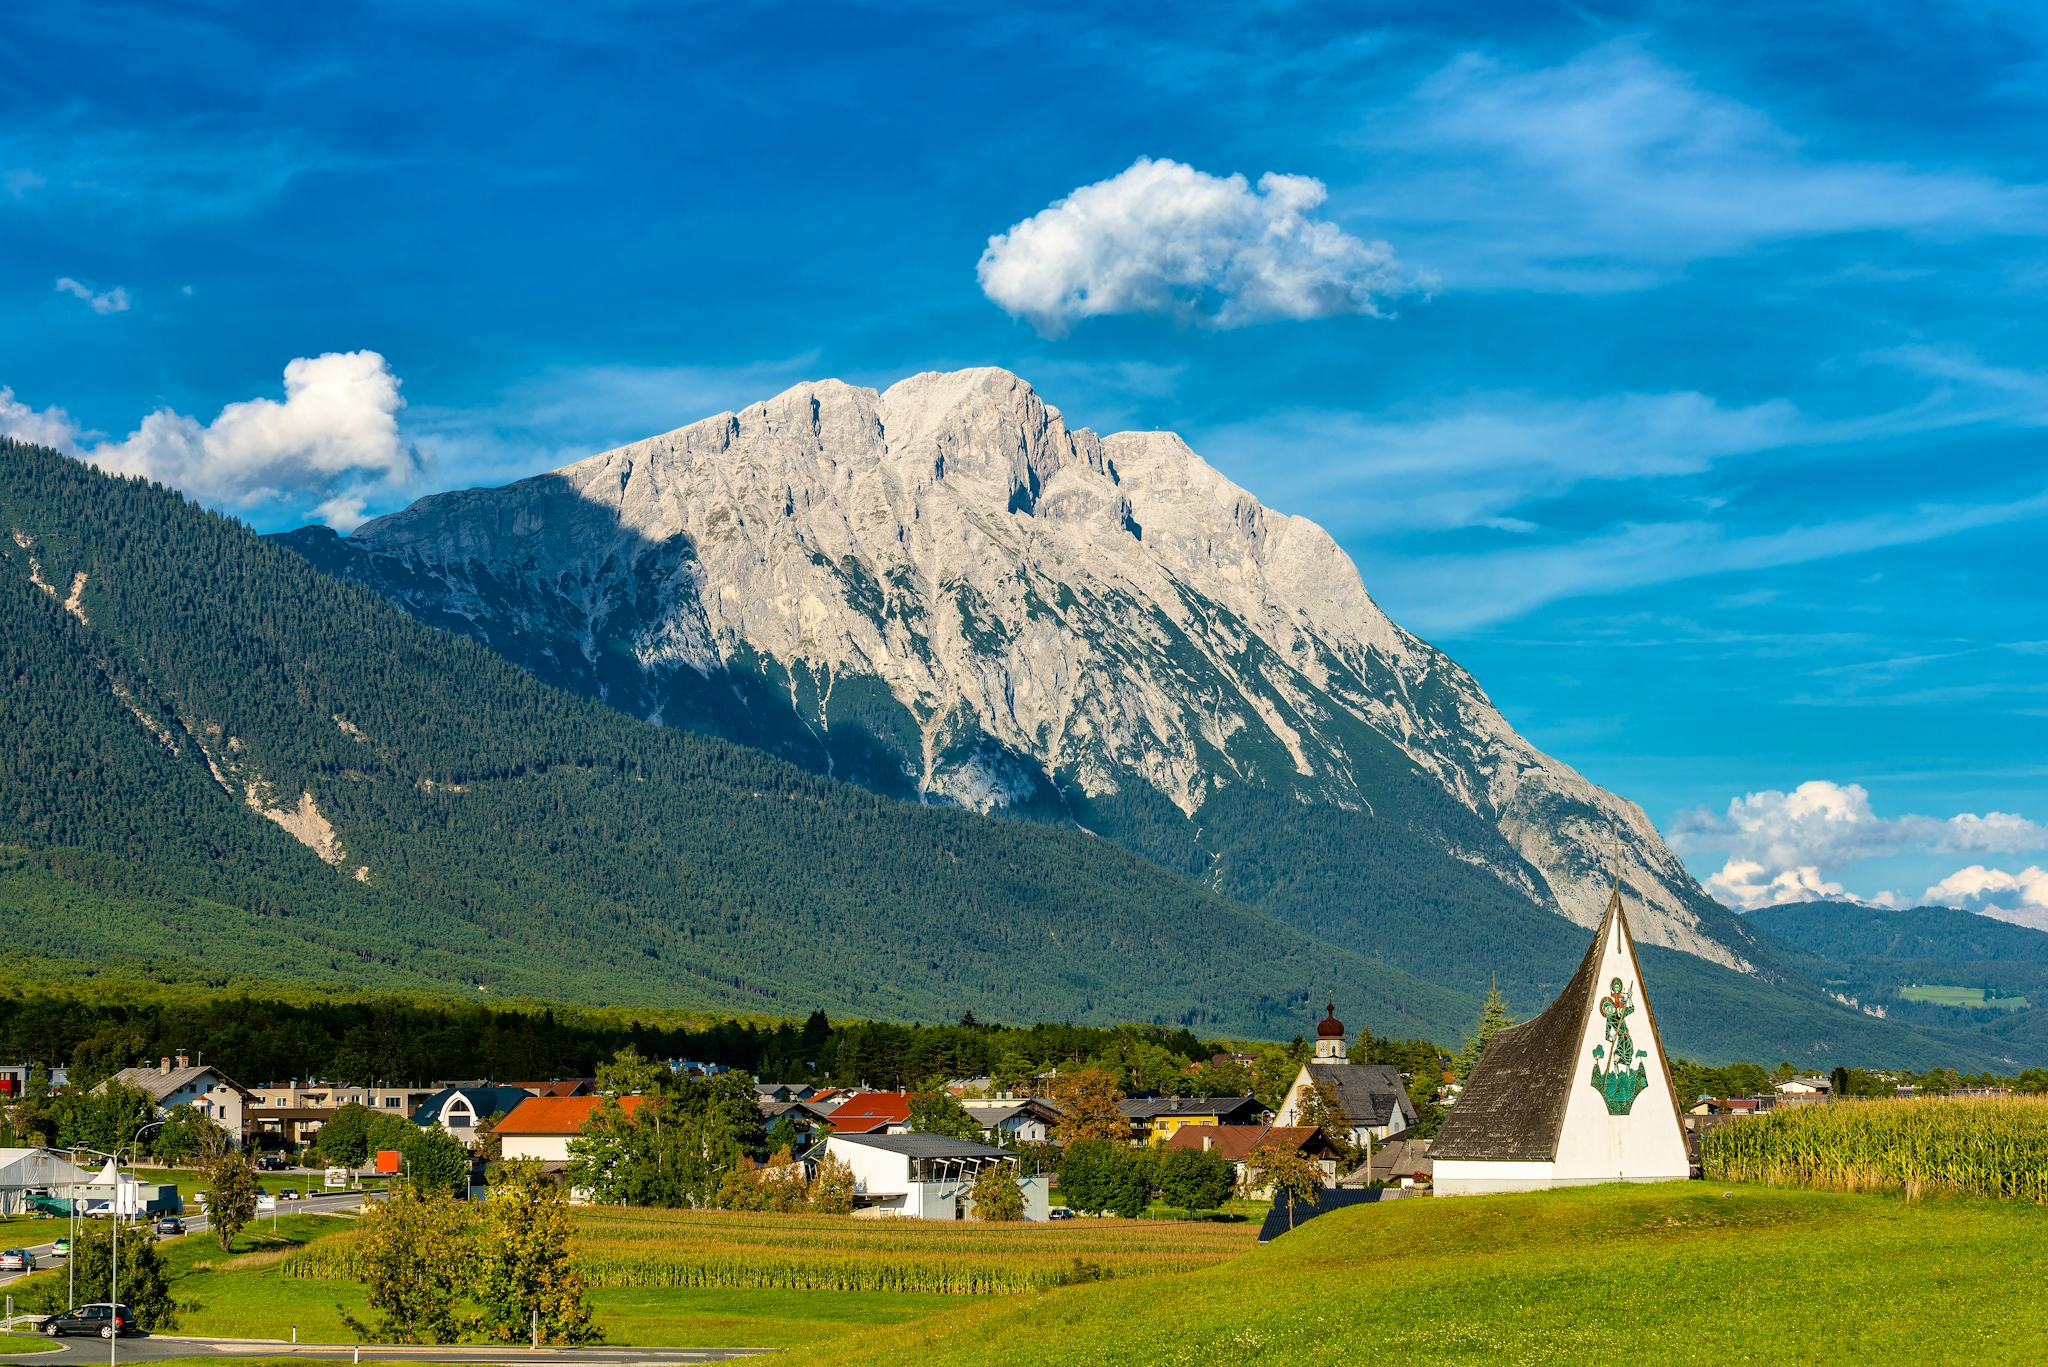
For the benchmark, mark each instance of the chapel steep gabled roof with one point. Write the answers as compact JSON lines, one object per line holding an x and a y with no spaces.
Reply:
{"x":1512,"y":1108}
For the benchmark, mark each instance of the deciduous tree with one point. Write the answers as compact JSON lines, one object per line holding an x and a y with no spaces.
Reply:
{"x":1283,"y":1171}
{"x":414,"y":1260}
{"x":1086,"y":1099}
{"x":231,"y":1203}
{"x":525,"y":1281}
{"x":997,"y":1197}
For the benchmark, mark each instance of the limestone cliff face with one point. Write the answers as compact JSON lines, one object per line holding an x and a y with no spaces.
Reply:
{"x":942,"y":589}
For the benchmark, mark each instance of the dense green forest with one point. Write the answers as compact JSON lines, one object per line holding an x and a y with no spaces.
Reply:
{"x":491,"y":834}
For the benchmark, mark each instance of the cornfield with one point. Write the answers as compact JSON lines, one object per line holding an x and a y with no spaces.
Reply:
{"x":736,"y":1250}
{"x":1925,"y":1146}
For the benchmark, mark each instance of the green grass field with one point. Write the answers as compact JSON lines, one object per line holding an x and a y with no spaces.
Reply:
{"x":1673,"y":1273}
{"x":1935,"y":994}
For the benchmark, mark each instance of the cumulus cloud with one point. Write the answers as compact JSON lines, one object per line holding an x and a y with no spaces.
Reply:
{"x":102,"y":302}
{"x":1779,"y":843}
{"x":1747,"y":884}
{"x":330,"y":447}
{"x":1164,"y":238}
{"x":51,"y":427}
{"x":1993,"y":891}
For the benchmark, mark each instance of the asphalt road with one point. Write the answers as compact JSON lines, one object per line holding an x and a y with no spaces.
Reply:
{"x":46,"y":1259}
{"x":153,"y":1349}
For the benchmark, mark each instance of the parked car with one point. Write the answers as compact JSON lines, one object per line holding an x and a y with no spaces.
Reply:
{"x":1059,"y":1213}
{"x":170,"y":1224}
{"x":290,"y":1193}
{"x":98,"y":1318}
{"x":61,"y":1249}
{"x":17,"y":1260}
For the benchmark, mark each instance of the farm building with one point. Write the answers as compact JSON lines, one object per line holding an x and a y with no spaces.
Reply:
{"x":1580,"y":1094}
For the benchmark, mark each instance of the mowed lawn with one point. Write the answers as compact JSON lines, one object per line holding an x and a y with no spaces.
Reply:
{"x":1673,"y":1273}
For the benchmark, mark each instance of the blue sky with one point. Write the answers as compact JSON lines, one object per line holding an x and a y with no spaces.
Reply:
{"x":1679,"y":369}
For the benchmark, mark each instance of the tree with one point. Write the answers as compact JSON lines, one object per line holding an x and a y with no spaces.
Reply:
{"x":1493,"y":1018}
{"x":1086,"y":1099}
{"x":144,"y":1286}
{"x":602,"y":1156}
{"x":934,"y":1110}
{"x":103,"y":1118}
{"x":1838,"y":1081}
{"x":413,"y":1261}
{"x":102,"y":1054}
{"x":187,"y":1133}
{"x":488,"y":1146}
{"x":996,"y":1194}
{"x":343,"y":1140}
{"x":1097,"y":1174}
{"x":785,"y":1133}
{"x":232,"y":1203}
{"x":832,"y":1188}
{"x":1321,"y":1108}
{"x":524,"y":1278}
{"x":1290,"y":1177}
{"x":630,"y":1073}
{"x":1195,"y":1179}
{"x":435,"y":1161}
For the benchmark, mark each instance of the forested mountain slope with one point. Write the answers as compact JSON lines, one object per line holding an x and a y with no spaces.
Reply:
{"x":220,"y":762}
{"x":220,"y":765}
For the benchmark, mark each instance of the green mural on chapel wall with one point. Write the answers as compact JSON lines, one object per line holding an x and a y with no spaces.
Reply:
{"x":1617,"y":1082}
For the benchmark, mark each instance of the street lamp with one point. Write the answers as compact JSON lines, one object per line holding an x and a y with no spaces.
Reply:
{"x":114,"y":1264}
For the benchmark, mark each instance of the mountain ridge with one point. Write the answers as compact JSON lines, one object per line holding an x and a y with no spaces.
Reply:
{"x":942,"y":591}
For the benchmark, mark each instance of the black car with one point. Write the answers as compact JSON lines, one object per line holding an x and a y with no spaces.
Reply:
{"x":100,"y":1318}
{"x":170,"y":1224}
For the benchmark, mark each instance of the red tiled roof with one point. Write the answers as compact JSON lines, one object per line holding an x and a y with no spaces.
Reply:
{"x":866,"y":1112}
{"x":559,"y":1114}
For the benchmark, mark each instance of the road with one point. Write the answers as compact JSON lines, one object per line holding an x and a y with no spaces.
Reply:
{"x":46,"y":1259}
{"x":154,"y":1349}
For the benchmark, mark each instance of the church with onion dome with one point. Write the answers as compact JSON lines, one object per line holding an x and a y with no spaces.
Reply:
{"x":1371,"y":1095}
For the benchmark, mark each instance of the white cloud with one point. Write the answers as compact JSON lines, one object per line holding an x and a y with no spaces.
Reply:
{"x":102,"y":302}
{"x":330,"y":447}
{"x":1164,"y":238}
{"x":1778,"y":844}
{"x":1608,"y":170}
{"x":1826,"y":823}
{"x":50,"y":427}
{"x":1746,"y":884}
{"x":2020,"y":897}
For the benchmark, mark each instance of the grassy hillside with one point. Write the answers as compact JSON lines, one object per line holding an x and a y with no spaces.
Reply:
{"x":491,"y":833}
{"x":1671,"y":1273}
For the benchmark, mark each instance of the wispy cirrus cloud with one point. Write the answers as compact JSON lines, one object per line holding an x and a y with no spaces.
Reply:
{"x":1613,"y":168}
{"x":102,"y":302}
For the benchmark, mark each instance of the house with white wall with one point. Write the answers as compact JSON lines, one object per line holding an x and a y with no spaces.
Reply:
{"x":177,"y":1081}
{"x":924,"y":1176}
{"x":540,"y":1127}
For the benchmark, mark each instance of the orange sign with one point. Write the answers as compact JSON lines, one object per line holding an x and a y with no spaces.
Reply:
{"x":387,"y":1160}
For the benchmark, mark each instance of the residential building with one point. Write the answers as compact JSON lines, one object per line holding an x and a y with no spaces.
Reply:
{"x":458,"y":1110}
{"x":872,"y":1113}
{"x":1371,"y":1095}
{"x":1236,"y":1143}
{"x":560,"y":1086}
{"x":177,"y":1081}
{"x":1402,"y":1160}
{"x":540,"y":1127}
{"x":1811,"y":1085}
{"x":285,"y":1115}
{"x":923,"y":1176}
{"x":1022,"y":1121}
{"x":1156,"y":1118}
{"x":14,"y":1079}
{"x":1580,"y":1094}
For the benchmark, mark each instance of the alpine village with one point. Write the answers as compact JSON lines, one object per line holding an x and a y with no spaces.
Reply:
{"x":836,"y":712}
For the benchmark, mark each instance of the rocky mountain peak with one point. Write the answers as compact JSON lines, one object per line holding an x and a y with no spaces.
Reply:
{"x":943,"y":589}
